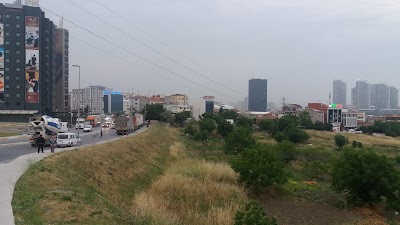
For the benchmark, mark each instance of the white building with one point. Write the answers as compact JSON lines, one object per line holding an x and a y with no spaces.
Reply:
{"x":199,"y":108}
{"x":177,"y":108}
{"x":349,"y":119}
{"x":91,"y":97}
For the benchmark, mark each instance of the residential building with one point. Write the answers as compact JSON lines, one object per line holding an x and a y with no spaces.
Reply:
{"x":62,"y":70}
{"x":316,"y":115}
{"x":27,"y":44}
{"x":258,"y":95}
{"x":156,"y":99}
{"x":113,"y":102}
{"x":91,"y":97}
{"x":334,"y":117}
{"x":379,"y":96}
{"x":140,"y":102}
{"x":177,"y":99}
{"x":292,"y":109}
{"x":394,"y":98}
{"x":177,"y":108}
{"x":360,"y":95}
{"x":199,"y":108}
{"x":349,"y":119}
{"x":339,"y":92}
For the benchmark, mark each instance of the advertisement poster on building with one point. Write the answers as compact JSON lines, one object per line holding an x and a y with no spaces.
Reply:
{"x":1,"y":30}
{"x":32,"y":59}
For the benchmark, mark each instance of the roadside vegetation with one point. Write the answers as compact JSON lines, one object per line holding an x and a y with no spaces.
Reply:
{"x":8,"y":134}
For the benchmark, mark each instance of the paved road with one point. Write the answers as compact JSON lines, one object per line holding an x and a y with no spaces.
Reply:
{"x":12,"y":149}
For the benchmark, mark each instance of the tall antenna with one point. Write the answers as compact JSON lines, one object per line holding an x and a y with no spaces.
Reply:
{"x":61,"y":23}
{"x":330,"y":98}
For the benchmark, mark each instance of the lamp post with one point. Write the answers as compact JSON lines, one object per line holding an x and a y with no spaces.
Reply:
{"x":79,"y":97}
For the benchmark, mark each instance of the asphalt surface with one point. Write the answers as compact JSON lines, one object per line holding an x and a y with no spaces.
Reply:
{"x":14,"y":148}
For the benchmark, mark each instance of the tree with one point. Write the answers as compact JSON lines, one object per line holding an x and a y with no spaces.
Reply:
{"x":229,"y":114}
{"x":253,"y":214}
{"x":239,"y":140}
{"x":244,"y":122}
{"x":305,"y":120}
{"x":153,"y":112}
{"x":167,"y":116}
{"x":207,"y":125}
{"x":181,"y":117}
{"x":201,"y":135}
{"x":366,"y":177}
{"x":225,"y":128}
{"x":340,"y":141}
{"x":328,"y":127}
{"x":296,"y":135}
{"x":318,"y":125}
{"x":259,"y":168}
{"x":286,"y":150}
{"x":265,"y":125}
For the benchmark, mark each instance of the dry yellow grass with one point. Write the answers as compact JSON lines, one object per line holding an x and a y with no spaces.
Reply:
{"x":191,"y":192}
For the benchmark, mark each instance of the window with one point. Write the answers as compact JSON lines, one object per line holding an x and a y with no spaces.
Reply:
{"x":7,"y":42}
{"x":7,"y":33}
{"x":17,"y":17}
{"x":17,"y":78}
{"x":7,"y":95}
{"x":18,"y":52}
{"x":7,"y":25}
{"x":18,"y":34}
{"x":7,"y":69}
{"x":17,"y":26}
{"x":7,"y":16}
{"x":18,"y":103}
{"x":17,"y":61}
{"x":7,"y":60}
{"x":7,"y":86}
{"x":18,"y":43}
{"x":7,"y":51}
{"x":18,"y":95}
{"x":18,"y":86}
{"x":17,"y":69}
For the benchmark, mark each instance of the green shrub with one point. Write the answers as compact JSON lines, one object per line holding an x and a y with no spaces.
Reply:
{"x":366,"y":177}
{"x":296,"y":135}
{"x":208,"y":125}
{"x":259,"y":168}
{"x":286,"y":150}
{"x":316,"y":170}
{"x":201,"y":135}
{"x":190,"y":130}
{"x":253,"y":214}
{"x":340,"y":141}
{"x":225,"y":128}
{"x":360,"y":145}
{"x":239,"y":140}
{"x":354,"y":144}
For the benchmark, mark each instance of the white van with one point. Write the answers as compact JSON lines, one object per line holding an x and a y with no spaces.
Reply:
{"x":67,"y":139}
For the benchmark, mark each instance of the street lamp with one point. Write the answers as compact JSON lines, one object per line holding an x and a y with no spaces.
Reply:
{"x":79,"y":96}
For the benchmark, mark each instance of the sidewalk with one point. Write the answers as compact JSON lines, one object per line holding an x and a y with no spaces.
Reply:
{"x":12,"y":171}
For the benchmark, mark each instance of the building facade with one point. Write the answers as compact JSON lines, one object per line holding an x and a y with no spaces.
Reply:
{"x":394,"y":98}
{"x":177,"y":108}
{"x":113,"y":102}
{"x":379,"y":96}
{"x":62,"y":71}
{"x":178,"y":99}
{"x":339,"y":92}
{"x":258,"y":95}
{"x":91,"y":98}
{"x":27,"y":64}
{"x":360,"y":95}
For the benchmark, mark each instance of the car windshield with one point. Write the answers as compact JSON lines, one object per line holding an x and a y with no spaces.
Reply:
{"x":88,"y":126}
{"x":63,"y":136}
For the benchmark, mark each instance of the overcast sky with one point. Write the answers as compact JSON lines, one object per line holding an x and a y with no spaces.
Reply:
{"x":300,"y":46}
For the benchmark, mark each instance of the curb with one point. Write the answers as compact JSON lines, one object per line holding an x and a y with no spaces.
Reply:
{"x":12,"y":171}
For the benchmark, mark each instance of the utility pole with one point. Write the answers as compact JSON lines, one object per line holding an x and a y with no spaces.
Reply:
{"x":79,"y":96}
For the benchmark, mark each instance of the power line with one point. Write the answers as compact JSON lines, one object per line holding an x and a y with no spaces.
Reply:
{"x":132,"y":53}
{"x":123,"y":59}
{"x":144,"y":44}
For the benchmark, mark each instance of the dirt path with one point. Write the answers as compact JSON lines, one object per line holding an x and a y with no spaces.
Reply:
{"x":290,"y":211}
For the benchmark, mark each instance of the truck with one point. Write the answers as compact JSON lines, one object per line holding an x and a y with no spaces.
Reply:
{"x":124,"y":125}
{"x":94,"y":120}
{"x":137,"y":121}
{"x":43,"y":125}
{"x":80,"y":123}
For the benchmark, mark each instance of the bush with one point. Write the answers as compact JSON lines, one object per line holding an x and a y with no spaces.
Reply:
{"x":340,"y":141}
{"x":360,"y":145}
{"x":253,"y":214}
{"x":190,"y":130}
{"x":259,"y":168}
{"x":366,"y":177}
{"x":239,"y":140}
{"x":286,"y":150}
{"x":244,"y":122}
{"x":279,"y":137}
{"x":201,"y":135}
{"x":225,"y":128}
{"x":265,"y":125}
{"x":207,"y":125}
{"x":296,"y":135}
{"x":316,"y":170}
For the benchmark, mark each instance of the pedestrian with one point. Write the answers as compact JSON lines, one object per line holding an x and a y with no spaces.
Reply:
{"x":101,"y":133}
{"x":40,"y":143}
{"x":53,"y":143}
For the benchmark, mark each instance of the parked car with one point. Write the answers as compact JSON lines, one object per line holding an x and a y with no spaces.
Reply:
{"x":113,"y":126}
{"x":67,"y":139}
{"x":88,"y":128}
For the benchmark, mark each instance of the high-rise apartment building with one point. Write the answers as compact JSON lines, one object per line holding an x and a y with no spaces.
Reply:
{"x":360,"y":95}
{"x":27,"y":62}
{"x":339,"y":92}
{"x":258,"y":93}
{"x":91,"y":98}
{"x":394,"y":98}
{"x":379,"y":96}
{"x":62,"y":70}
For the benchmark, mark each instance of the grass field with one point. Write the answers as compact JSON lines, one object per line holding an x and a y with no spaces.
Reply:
{"x":151,"y":178}
{"x":7,"y":134}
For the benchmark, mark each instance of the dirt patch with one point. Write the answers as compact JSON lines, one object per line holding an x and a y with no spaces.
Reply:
{"x":289,"y":211}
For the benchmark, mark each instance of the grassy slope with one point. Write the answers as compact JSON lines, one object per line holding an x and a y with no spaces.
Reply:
{"x":139,"y":180}
{"x":7,"y":134}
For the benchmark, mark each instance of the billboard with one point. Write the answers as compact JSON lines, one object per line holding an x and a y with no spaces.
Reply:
{"x":32,"y":69}
{"x":1,"y":59}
